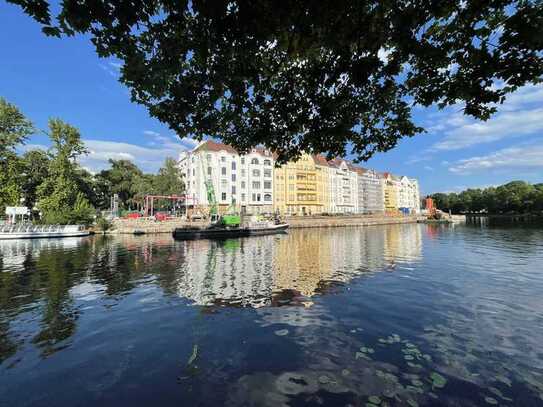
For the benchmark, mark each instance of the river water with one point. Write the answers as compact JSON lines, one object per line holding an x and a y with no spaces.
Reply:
{"x":398,"y":315}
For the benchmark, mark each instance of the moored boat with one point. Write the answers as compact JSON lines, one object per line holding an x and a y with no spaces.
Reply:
{"x":41,"y":231}
{"x":221,"y":232}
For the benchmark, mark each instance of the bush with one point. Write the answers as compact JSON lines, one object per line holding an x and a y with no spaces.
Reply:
{"x":103,"y":224}
{"x":82,"y":213}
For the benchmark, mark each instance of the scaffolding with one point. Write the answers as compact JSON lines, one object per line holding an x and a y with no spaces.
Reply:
{"x":182,"y":202}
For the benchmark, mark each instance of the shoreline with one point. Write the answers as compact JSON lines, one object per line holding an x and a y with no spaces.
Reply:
{"x":144,"y":226}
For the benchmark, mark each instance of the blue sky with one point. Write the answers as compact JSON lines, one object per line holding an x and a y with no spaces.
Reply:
{"x":49,"y":77}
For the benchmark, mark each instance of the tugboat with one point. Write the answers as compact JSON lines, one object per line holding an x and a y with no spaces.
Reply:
{"x":230,"y":224}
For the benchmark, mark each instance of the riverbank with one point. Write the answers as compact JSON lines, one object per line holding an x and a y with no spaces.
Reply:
{"x":148,"y":226}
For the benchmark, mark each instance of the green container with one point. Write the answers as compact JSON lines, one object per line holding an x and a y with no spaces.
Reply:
{"x":231,"y":220}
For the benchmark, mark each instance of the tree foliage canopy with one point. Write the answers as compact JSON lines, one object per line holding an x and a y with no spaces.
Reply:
{"x":309,"y":75}
{"x":513,"y":197}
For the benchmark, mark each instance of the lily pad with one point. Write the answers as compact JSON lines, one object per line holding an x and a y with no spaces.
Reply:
{"x":345,"y":372}
{"x":324,"y":379}
{"x":412,"y":403}
{"x":491,"y":400}
{"x":375,"y":400}
{"x":409,"y":357}
{"x":417,"y":383}
{"x":281,"y":332}
{"x":438,"y":380}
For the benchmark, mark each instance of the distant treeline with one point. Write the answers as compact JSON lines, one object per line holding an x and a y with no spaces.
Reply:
{"x":53,"y":183}
{"x":514,"y":197}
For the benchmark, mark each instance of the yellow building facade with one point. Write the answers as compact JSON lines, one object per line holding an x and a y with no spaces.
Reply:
{"x":296,"y":188}
{"x":391,"y":193}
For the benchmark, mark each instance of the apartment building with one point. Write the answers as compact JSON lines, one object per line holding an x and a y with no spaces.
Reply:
{"x":324,"y":171}
{"x":243,"y":180}
{"x":310,"y":185}
{"x":391,"y":188}
{"x":343,"y":187}
{"x":297,"y":187}
{"x":371,"y":194}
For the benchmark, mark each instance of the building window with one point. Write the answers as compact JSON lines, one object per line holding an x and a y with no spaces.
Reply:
{"x":256,"y":185}
{"x":223,"y":159}
{"x":193,"y":172}
{"x":258,"y":197}
{"x":267,"y":173}
{"x":233,"y":165}
{"x":223,"y":196}
{"x":243,"y":160}
{"x":208,"y":157}
{"x":233,"y":190}
{"x":267,"y":185}
{"x":291,"y":187}
{"x":223,"y":170}
{"x":242,"y":184}
{"x":234,"y":177}
{"x":243,"y":197}
{"x":254,"y":161}
{"x":208,"y":170}
{"x":243,"y":173}
{"x":256,"y":173}
{"x":267,"y":162}
{"x":267,"y":197}
{"x":224,"y":183}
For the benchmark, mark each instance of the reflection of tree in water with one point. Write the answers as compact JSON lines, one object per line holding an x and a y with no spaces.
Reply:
{"x":60,"y":270}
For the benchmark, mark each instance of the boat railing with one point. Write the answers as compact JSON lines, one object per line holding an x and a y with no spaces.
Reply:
{"x":28,"y":228}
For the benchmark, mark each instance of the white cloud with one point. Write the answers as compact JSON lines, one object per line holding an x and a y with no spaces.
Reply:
{"x":510,"y":124}
{"x":521,"y":157}
{"x":520,"y":115}
{"x":147,"y":158}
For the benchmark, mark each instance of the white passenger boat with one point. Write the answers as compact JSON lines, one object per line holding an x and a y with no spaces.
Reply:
{"x":41,"y":231}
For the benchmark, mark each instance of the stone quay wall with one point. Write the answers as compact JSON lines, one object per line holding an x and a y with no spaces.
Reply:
{"x":149,"y":226}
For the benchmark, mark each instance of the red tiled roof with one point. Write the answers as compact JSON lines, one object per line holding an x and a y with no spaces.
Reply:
{"x":210,"y":145}
{"x":320,"y":160}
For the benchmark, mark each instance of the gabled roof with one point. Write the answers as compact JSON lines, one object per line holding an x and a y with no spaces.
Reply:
{"x":210,"y":145}
{"x":320,"y":160}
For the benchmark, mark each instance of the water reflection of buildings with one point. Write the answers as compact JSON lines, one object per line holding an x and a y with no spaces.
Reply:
{"x":276,"y":269}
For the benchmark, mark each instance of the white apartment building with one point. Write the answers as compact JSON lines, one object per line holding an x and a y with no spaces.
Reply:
{"x":371,"y":193}
{"x":408,"y":194}
{"x":245,"y":181}
{"x":343,"y":187}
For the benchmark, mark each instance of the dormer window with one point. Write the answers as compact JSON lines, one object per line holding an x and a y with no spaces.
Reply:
{"x":254,"y":161}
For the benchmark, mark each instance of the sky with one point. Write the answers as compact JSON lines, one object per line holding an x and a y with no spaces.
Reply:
{"x":64,"y":78}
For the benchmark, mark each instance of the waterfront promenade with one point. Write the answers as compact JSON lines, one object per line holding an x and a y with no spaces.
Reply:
{"x":148,"y":226}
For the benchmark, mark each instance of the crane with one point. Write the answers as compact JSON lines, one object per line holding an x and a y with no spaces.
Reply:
{"x":230,"y":219}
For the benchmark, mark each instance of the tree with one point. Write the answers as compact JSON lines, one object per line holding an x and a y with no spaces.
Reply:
{"x":14,"y":130}
{"x":513,"y":197}
{"x":320,"y":76}
{"x":59,"y":197}
{"x":35,"y":168}
{"x":168,"y":180}
{"x":123,"y":178}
